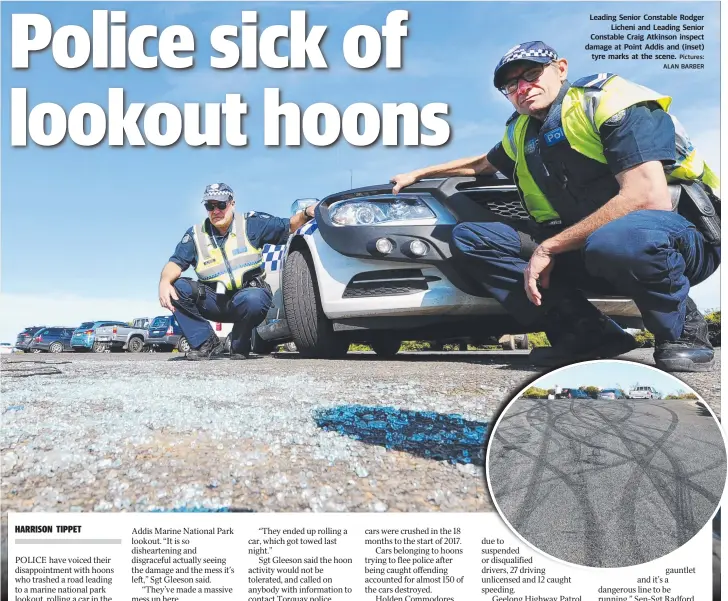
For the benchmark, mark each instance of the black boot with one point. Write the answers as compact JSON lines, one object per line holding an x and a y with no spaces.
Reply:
{"x":578,"y":331}
{"x":212,"y":348}
{"x":692,"y":351}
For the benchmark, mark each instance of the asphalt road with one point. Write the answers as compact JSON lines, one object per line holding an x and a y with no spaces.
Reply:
{"x":607,"y":483}
{"x":110,"y":432}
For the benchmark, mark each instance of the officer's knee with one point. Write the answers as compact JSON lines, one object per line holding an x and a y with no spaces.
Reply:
{"x":255,"y":301}
{"x":468,"y":237}
{"x":618,"y":248}
{"x":183,"y":287}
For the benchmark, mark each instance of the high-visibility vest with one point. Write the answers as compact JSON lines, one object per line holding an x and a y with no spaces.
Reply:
{"x":585,"y":107}
{"x":227,"y":264}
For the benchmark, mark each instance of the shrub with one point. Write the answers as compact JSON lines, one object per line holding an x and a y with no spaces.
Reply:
{"x":645,"y":339}
{"x":683,"y":395}
{"x":713,"y":319}
{"x":538,"y":339}
{"x":535,"y":393}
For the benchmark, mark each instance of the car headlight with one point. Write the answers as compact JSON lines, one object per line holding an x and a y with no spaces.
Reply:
{"x":379,"y":210}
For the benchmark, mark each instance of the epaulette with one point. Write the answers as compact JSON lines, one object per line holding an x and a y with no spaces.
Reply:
{"x":593,"y":81}
{"x":249,"y":214}
{"x":515,"y":115}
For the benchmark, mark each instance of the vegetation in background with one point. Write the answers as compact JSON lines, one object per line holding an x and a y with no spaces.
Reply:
{"x":538,"y":339}
{"x":683,"y":395}
{"x":592,"y":391}
{"x":713,"y":319}
{"x":534,"y":392}
{"x":645,"y":339}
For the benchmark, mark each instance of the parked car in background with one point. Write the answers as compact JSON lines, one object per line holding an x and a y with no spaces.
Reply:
{"x":130,"y":338}
{"x":23,"y":340}
{"x":572,"y":393}
{"x":84,"y":337}
{"x":51,"y":340}
{"x":165,"y":334}
{"x":611,"y":394}
{"x":644,"y":392}
{"x":6,"y":348}
{"x":377,"y":269}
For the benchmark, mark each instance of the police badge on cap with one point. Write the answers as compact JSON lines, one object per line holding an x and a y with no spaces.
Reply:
{"x":217,"y":192}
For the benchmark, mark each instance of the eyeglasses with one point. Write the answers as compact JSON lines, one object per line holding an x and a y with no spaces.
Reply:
{"x":529,"y":75}
{"x":211,"y":205}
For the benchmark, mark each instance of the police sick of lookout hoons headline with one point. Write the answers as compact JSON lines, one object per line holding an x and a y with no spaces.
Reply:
{"x":111,"y":45}
{"x":319,"y":557}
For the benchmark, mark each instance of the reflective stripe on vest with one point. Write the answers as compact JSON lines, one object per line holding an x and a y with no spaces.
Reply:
{"x":583,"y":111}
{"x":239,"y":256}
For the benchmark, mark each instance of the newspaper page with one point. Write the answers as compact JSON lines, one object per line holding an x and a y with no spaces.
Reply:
{"x":314,"y":301}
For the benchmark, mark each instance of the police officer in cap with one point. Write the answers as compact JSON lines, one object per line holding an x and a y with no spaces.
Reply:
{"x":225,"y":251}
{"x":620,"y":202}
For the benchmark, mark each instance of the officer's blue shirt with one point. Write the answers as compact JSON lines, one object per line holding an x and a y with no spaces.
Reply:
{"x":643,"y":133}
{"x":261,"y":229}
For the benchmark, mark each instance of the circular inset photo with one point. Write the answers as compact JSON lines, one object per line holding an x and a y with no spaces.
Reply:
{"x":606,"y":464}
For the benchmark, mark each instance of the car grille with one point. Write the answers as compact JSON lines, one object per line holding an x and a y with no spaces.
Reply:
{"x":388,"y":282}
{"x":503,"y":203}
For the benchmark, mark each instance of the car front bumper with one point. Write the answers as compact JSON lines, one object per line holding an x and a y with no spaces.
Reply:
{"x":337,"y":273}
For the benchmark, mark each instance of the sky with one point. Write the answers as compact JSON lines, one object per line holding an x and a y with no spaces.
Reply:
{"x":612,"y":374}
{"x":86,"y":231}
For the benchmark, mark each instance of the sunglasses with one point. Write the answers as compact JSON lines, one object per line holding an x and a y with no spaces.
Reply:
{"x":530,"y":75}
{"x":211,"y":205}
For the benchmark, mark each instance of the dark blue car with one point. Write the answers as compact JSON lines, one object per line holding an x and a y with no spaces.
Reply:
{"x":51,"y":340}
{"x":165,"y":334}
{"x":22,"y":342}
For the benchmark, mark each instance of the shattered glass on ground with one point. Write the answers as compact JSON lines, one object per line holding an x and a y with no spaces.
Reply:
{"x":423,"y":433}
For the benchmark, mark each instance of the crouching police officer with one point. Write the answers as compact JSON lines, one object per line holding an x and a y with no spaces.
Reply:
{"x":225,"y":250}
{"x":619,"y":200}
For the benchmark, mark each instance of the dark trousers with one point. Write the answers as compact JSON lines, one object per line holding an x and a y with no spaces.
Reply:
{"x":245,"y":309}
{"x":652,"y":257}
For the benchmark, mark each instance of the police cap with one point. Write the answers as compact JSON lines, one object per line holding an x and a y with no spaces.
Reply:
{"x":219,"y":191}
{"x":534,"y":52}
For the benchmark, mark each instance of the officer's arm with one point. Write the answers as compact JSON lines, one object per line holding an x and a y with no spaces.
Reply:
{"x":642,"y":187}
{"x":170,"y":273}
{"x":479,"y":165}
{"x":167,"y":293}
{"x":301,"y":218}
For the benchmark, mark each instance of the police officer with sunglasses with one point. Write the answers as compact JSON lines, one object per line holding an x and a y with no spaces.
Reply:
{"x":225,"y":251}
{"x":620,"y":202}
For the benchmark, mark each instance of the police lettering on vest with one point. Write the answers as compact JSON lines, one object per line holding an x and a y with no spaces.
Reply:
{"x":575,"y":120}
{"x":227,"y":264}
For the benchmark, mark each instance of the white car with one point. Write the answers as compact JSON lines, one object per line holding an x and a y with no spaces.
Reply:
{"x":6,"y":348}
{"x":377,"y":268}
{"x":643,"y":392}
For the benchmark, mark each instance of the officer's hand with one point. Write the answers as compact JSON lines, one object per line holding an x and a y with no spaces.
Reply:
{"x":166,"y":294}
{"x":402,"y":181}
{"x":538,"y":271}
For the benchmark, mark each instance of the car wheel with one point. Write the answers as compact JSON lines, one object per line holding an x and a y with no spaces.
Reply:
{"x":260,"y":346}
{"x":183,"y":346}
{"x":135,"y":345}
{"x":98,"y":347}
{"x":56,"y":347}
{"x":312,"y":331}
{"x":386,"y":347}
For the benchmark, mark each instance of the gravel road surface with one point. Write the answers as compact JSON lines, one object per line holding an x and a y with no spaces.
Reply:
{"x":111,"y":432}
{"x":607,"y":483}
